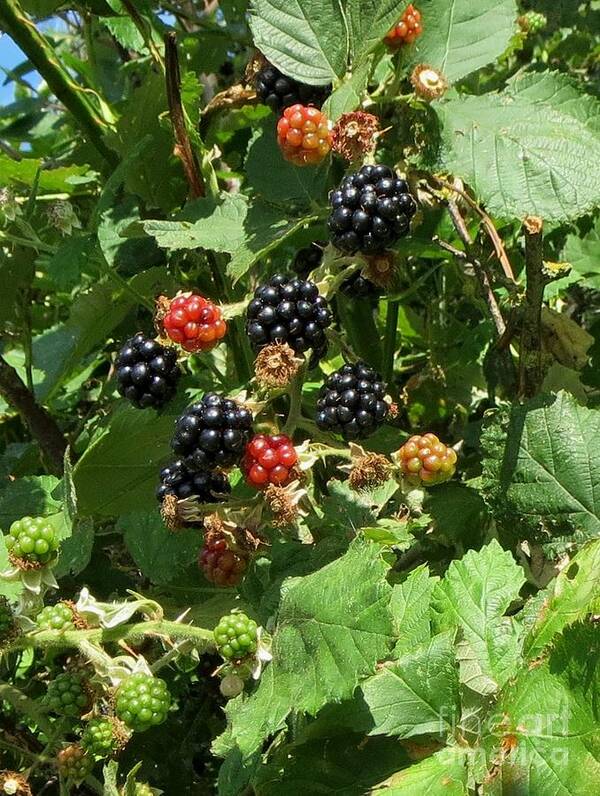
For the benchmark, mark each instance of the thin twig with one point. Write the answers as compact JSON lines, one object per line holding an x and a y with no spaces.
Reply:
{"x":40,"y":422}
{"x":531,"y":367}
{"x":183,"y":146}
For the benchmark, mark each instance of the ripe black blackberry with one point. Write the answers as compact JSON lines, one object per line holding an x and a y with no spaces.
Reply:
{"x":177,"y":479}
{"x":212,"y":433}
{"x":289,"y":310}
{"x":357,"y":285}
{"x":147,"y":372}
{"x":371,"y":209}
{"x":351,"y":402}
{"x":279,"y":91}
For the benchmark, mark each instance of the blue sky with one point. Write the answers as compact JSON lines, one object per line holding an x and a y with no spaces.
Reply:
{"x":10,"y":56}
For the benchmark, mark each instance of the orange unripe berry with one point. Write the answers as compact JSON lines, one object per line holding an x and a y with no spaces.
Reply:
{"x":304,"y":135}
{"x":424,"y":460}
{"x":407,"y":29}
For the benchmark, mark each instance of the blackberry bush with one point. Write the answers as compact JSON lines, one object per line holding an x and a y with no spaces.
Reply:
{"x":32,"y":540}
{"x":279,"y":91}
{"x":67,"y":695}
{"x":209,"y":486}
{"x":194,"y":322}
{"x":426,"y":460}
{"x":56,"y":617}
{"x":212,"y":433}
{"x":142,"y":701}
{"x":269,"y":459}
{"x":147,"y":372}
{"x":74,"y":763}
{"x":370,"y":210}
{"x":351,"y":402}
{"x":289,"y":310}
{"x":236,"y":636}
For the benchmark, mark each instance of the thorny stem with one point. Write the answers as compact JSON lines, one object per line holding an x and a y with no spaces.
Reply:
{"x":295,"y":395}
{"x":389,"y":341}
{"x":531,"y":369}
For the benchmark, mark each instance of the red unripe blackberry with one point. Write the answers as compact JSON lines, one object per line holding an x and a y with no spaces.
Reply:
{"x":194,"y":322}
{"x":425,"y":460}
{"x":220,"y":563}
{"x":407,"y":29}
{"x":279,"y":91}
{"x":147,"y":372}
{"x":370,"y":210}
{"x":269,"y":460}
{"x":304,"y":135}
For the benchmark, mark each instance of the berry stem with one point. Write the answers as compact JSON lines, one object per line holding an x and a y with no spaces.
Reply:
{"x":389,"y":341}
{"x":295,"y":394}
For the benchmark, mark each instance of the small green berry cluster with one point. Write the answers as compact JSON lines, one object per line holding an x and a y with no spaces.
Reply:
{"x":74,"y":763}
{"x":32,"y":539}
{"x":67,"y":695}
{"x":142,"y":701}
{"x":532,"y":22}
{"x":236,"y":636}
{"x":56,"y":617}
{"x":102,"y":737}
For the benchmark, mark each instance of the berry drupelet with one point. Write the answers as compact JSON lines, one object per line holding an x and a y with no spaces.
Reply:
{"x":289,"y":310}
{"x":177,"y":479}
{"x":425,"y":460}
{"x":147,"y":372}
{"x":212,"y":433}
{"x":304,"y":135}
{"x":269,"y":460}
{"x":279,"y":91}
{"x":194,"y":322}
{"x":351,"y":402}
{"x":370,"y":210}
{"x":407,"y":29}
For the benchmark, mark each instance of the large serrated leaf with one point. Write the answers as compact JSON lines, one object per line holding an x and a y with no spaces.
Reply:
{"x":473,"y":596}
{"x":369,"y":21}
{"x":333,"y":626}
{"x":443,"y":774}
{"x":460,"y":36}
{"x":306,"y":39}
{"x":418,"y":693}
{"x":410,"y":608}
{"x":531,"y":149}
{"x":542,"y":468}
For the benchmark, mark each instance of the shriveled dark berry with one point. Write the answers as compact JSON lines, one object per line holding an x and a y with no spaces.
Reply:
{"x":351,"y":402}
{"x":147,"y":372}
{"x":309,"y":258}
{"x":212,"y":433}
{"x":279,"y":91}
{"x":370,"y":210}
{"x":177,"y":479}
{"x":289,"y":310}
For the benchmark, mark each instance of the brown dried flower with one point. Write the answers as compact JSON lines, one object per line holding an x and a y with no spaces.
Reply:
{"x":283,"y":503}
{"x":381,"y":269}
{"x":169,"y":511}
{"x":428,"y":83}
{"x":276,"y":365}
{"x":355,"y":134}
{"x":14,"y":784}
{"x":369,"y":472}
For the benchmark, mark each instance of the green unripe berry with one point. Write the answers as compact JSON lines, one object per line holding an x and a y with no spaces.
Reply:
{"x":32,"y":539}
{"x":56,"y":617}
{"x":74,"y":763}
{"x":142,"y":789}
{"x":236,"y":636}
{"x":67,"y":695}
{"x":142,"y":701}
{"x":101,"y":737}
{"x":532,"y":22}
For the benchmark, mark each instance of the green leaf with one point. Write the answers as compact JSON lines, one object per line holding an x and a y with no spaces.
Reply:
{"x":348,"y":96}
{"x":583,"y":253}
{"x":30,"y":496}
{"x":410,"y":609}
{"x":571,"y":596}
{"x":541,"y":466}
{"x":332,"y":628}
{"x":459,"y":36}
{"x":161,"y":555}
{"x":74,"y":257}
{"x":552,"y":715}
{"x":369,"y":21}
{"x":473,"y":596}
{"x":445,"y":773}
{"x":531,"y":149}
{"x":305,"y":39}
{"x":23,"y":172}
{"x":119,"y":470}
{"x":418,"y":693}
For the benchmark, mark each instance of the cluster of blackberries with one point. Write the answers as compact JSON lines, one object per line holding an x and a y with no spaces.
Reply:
{"x":147,"y":372}
{"x":279,"y":91}
{"x":178,"y":480}
{"x":289,"y":310}
{"x":212,"y":433}
{"x":371,"y":209}
{"x":357,"y":285}
{"x":351,"y":402}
